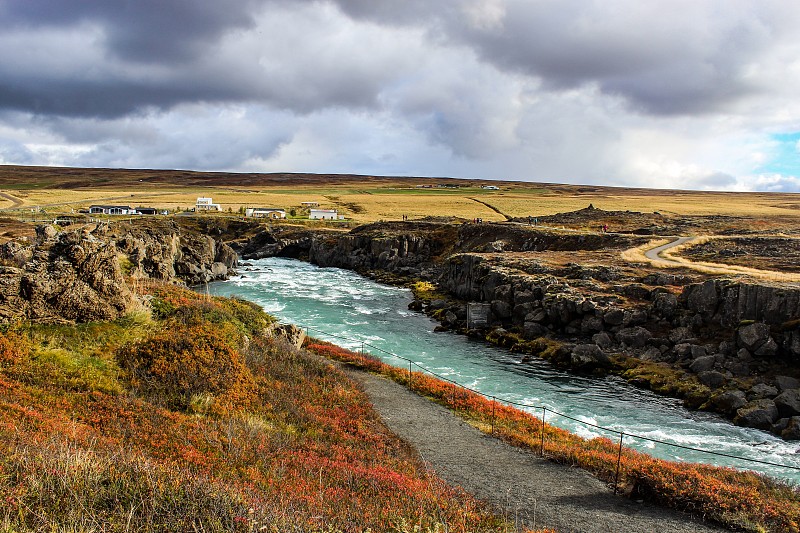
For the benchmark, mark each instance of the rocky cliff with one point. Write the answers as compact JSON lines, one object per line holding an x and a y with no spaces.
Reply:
{"x":728,"y":345}
{"x":80,"y":275}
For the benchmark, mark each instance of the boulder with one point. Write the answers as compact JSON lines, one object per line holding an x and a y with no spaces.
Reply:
{"x":635,"y":337}
{"x":786,"y":382}
{"x":702,"y":298}
{"x":588,"y":357}
{"x":792,"y":430}
{"x":614,"y":317}
{"x":788,"y":403}
{"x":703,"y":364}
{"x":665,"y":304}
{"x":767,"y":349}
{"x":760,"y":414}
{"x":761,"y":390}
{"x":651,"y":354}
{"x":753,"y":336}
{"x":729,"y":401}
{"x":698,"y":351}
{"x":602,"y":339}
{"x":501,"y":309}
{"x":711,"y":378}
{"x":292,"y":334}
{"x":533,"y":330}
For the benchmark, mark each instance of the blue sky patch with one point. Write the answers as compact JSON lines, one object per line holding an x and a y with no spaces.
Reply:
{"x":786,"y":156}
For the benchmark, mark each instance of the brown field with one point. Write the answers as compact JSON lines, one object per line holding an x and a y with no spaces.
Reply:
{"x":371,"y":198}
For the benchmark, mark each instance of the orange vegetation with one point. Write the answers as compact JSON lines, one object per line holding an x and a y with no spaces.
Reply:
{"x":91,"y":437}
{"x":738,"y":499}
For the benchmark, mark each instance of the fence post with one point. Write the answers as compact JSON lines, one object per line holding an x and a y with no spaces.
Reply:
{"x":494,"y":402}
{"x":544,"y":414}
{"x":619,"y":459}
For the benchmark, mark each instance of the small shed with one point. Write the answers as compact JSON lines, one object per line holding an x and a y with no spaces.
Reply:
{"x":324,"y":214}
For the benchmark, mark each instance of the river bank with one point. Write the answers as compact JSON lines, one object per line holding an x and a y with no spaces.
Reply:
{"x":727,"y":346}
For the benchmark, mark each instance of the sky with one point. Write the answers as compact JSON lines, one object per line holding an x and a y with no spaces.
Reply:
{"x":691,"y":94}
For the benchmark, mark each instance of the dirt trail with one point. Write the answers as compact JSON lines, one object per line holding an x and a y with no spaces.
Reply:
{"x":490,"y":206}
{"x":15,"y":202}
{"x":654,"y":256}
{"x":528,"y":490}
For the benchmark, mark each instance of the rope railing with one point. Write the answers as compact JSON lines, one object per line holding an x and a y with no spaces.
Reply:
{"x":545,"y":409}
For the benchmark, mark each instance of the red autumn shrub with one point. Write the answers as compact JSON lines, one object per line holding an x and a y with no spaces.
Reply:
{"x":12,"y":349}
{"x":183,"y":362}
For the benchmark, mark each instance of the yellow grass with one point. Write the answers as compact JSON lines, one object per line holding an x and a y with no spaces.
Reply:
{"x":370,"y":201}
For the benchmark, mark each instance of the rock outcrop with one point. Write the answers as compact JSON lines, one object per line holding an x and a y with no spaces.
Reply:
{"x":62,"y":276}
{"x":79,"y":275}
{"x":164,"y":250}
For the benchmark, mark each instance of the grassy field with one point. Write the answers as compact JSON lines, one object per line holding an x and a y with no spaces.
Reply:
{"x":363,"y":198}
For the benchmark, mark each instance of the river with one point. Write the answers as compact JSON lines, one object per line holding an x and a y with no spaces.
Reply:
{"x":345,"y":305}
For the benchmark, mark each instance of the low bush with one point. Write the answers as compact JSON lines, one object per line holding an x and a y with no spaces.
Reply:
{"x":180,"y":363}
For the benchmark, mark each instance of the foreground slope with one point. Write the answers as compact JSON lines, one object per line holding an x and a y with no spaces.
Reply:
{"x":204,"y":417}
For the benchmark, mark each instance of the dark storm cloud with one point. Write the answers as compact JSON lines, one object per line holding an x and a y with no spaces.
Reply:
{"x":140,"y":30}
{"x":664,"y":58}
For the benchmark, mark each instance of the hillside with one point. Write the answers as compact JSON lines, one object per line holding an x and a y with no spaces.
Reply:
{"x":200,"y":415}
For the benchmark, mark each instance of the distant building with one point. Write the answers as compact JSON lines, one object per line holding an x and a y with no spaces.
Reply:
{"x":206,"y":204}
{"x":146,"y":211}
{"x":265,"y":212}
{"x":111,"y":210}
{"x":309,"y":204}
{"x":324,"y":214}
{"x":490,"y":187}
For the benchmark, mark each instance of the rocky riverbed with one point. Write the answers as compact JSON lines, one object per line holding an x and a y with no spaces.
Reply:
{"x":727,"y":345}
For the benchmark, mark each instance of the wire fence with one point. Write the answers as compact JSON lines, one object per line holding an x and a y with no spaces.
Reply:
{"x":545,"y":410}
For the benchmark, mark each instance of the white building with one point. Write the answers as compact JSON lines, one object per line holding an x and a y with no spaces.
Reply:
{"x":324,"y":214}
{"x":490,"y":187}
{"x":264,"y":212}
{"x":111,"y":210}
{"x":206,"y":204}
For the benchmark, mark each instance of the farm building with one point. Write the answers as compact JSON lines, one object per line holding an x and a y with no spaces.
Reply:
{"x":111,"y":210}
{"x":206,"y":204}
{"x":264,"y":212}
{"x":309,"y":204}
{"x":121,"y":210}
{"x":324,"y":214}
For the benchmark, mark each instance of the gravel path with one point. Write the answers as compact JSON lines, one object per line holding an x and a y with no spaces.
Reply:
{"x":525,"y":488}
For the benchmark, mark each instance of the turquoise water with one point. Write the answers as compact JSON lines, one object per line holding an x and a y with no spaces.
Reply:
{"x":345,"y":308}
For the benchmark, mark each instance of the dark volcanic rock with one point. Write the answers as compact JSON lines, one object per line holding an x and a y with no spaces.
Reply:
{"x":729,"y":401}
{"x":788,"y":402}
{"x":760,"y":414}
{"x":588,"y":357}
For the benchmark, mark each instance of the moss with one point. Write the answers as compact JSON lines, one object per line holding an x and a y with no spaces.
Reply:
{"x":663,"y":379}
{"x":425,"y":290}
